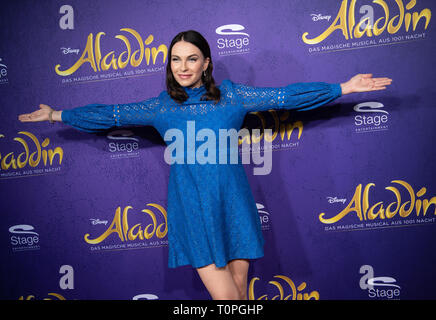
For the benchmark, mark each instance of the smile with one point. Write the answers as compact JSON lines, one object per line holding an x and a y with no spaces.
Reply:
{"x":185,"y":76}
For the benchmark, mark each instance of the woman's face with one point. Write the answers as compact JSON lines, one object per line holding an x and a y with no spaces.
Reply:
{"x":188,"y":64}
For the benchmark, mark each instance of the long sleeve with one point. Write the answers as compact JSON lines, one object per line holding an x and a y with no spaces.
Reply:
{"x":298,"y":96}
{"x":97,"y":117}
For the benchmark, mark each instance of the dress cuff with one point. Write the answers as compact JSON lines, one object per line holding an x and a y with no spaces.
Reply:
{"x":65,"y":116}
{"x":337,"y":90}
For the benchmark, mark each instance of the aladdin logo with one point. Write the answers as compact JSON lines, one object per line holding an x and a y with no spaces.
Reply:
{"x":234,"y":41}
{"x":124,"y":145}
{"x":378,"y":214}
{"x":280,"y":129}
{"x":94,"y":57}
{"x":378,"y":287}
{"x":3,"y":73}
{"x":24,"y":238}
{"x":346,"y":22}
{"x":376,"y":119}
{"x":126,"y":233}
{"x":33,"y":159}
{"x":295,"y":292}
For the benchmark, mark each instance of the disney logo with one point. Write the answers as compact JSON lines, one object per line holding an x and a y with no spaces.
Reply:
{"x":98,"y":221}
{"x":69,"y":50}
{"x":335,"y":199}
{"x":319,"y":16}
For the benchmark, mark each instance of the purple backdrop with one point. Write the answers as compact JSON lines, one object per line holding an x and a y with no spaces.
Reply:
{"x":348,"y":211}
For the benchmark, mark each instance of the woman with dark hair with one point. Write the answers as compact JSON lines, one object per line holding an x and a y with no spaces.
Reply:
{"x":213,"y":224}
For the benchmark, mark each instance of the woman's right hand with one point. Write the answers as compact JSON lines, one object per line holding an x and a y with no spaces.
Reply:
{"x":39,"y":115}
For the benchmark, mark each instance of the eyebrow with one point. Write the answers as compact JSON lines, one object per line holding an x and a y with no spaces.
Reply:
{"x":190,"y":56}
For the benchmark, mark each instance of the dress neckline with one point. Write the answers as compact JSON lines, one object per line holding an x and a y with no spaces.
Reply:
{"x":194,"y":92}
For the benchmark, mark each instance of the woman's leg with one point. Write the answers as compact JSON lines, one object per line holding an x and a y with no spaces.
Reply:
{"x":239,"y":270}
{"x":219,"y":282}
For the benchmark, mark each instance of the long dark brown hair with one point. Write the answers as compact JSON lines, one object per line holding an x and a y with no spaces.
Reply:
{"x":173,"y":87}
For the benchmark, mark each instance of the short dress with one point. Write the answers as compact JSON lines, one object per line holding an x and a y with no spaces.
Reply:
{"x":211,"y":213}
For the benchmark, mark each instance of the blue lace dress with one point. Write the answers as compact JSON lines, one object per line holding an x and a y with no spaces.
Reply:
{"x":211,"y":213}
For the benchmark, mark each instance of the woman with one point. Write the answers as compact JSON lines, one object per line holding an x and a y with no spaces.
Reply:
{"x":213,"y":223}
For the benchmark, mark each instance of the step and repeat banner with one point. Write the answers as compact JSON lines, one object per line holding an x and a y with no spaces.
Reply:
{"x":347,"y":212}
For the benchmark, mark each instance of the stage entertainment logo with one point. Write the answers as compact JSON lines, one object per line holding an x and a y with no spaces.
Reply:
{"x":384,"y":22}
{"x":409,"y":208}
{"x":140,"y":57}
{"x":24,"y":238}
{"x":122,"y":144}
{"x":127,"y":231}
{"x":380,"y":288}
{"x":264,"y":216}
{"x":25,"y":164}
{"x":371,"y":117}
{"x":233,"y":40}
{"x":3,"y":73}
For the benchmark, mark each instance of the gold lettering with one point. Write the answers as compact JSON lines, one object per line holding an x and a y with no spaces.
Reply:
{"x":295,"y":292}
{"x":380,"y":213}
{"x":277,"y":127}
{"x":20,"y":163}
{"x":389,"y":213}
{"x":342,"y":25}
{"x":162,"y":48}
{"x":359,"y":33}
{"x":92,"y":54}
{"x":105,"y":65}
{"x":377,"y":30}
{"x":6,"y":165}
{"x":393,"y":25}
{"x":353,"y":206}
{"x":115,"y":227}
{"x":351,"y":18}
{"x":87,"y":56}
{"x":122,"y":64}
{"x":405,"y":213}
{"x":426,"y":13}
{"x":120,"y":226}
{"x":136,"y":61}
{"x":98,"y":49}
{"x":426,"y":204}
{"x":361,"y":205}
{"x":33,"y":159}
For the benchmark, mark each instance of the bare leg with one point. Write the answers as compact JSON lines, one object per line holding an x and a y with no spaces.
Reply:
{"x":219,"y":282}
{"x":239,"y":270}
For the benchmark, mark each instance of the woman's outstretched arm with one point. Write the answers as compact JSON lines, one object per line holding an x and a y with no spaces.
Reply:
{"x":97,"y":117}
{"x":303,"y":96}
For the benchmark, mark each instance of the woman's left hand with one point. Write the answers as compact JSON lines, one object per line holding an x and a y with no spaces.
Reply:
{"x":364,"y":83}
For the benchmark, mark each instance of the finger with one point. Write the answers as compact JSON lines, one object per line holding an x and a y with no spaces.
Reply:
{"x":382,"y":83}
{"x":378,"y":88}
{"x":23,"y":116}
{"x":367,"y":75}
{"x":382,"y":79}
